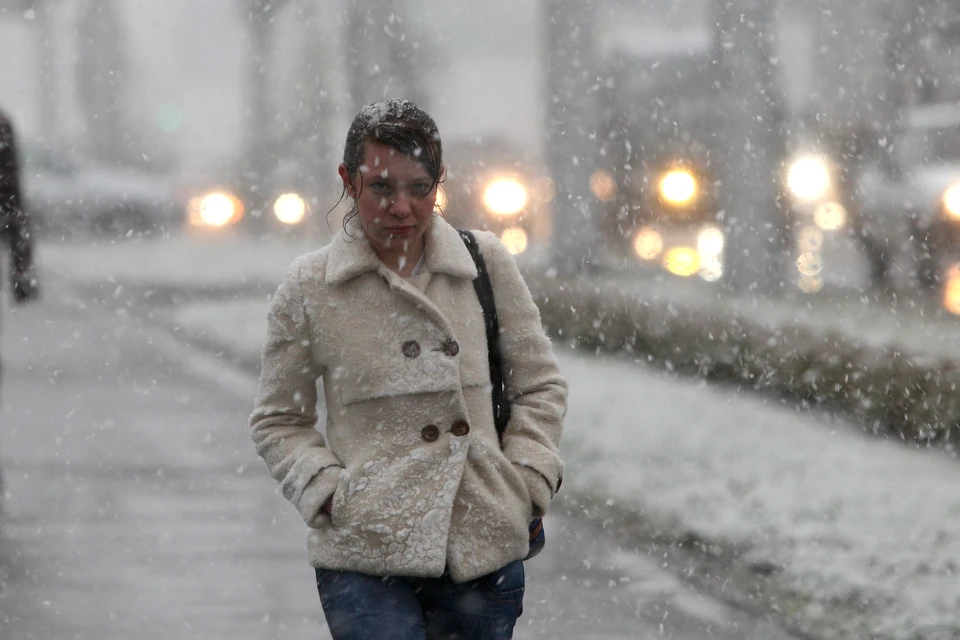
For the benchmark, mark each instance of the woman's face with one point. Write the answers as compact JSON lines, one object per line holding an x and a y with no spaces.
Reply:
{"x":395,"y":199}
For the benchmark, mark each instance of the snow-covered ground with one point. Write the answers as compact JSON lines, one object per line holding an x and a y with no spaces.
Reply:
{"x":865,"y":532}
{"x":194,"y":260}
{"x":917,"y":323}
{"x":236,"y":259}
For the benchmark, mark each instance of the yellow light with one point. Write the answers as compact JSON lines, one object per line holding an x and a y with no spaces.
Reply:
{"x":603,"y":185}
{"x":290,"y":208}
{"x":710,"y":242}
{"x":951,"y":290}
{"x":810,"y":284}
{"x":810,"y":238}
{"x":441,"y":198}
{"x":809,"y":264}
{"x":515,"y":240}
{"x":648,"y":244}
{"x":678,"y":187}
{"x":682,"y":261}
{"x":215,"y":210}
{"x":830,"y":216}
{"x":951,"y":201}
{"x":505,"y":197}
{"x":808,"y":178}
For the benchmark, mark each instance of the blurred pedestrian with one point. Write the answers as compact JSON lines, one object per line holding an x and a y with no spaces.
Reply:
{"x":418,"y":514}
{"x":14,"y":224}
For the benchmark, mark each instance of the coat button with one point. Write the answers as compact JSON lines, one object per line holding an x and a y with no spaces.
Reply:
{"x":451,"y":348}
{"x":430,"y":433}
{"x":460,"y":428}
{"x":411,"y":349}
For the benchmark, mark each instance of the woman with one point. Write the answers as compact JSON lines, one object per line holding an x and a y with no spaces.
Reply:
{"x":418,"y":516}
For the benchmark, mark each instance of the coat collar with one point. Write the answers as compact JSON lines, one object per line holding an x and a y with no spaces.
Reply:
{"x":352,"y":255}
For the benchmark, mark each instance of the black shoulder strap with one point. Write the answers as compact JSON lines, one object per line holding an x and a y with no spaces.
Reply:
{"x":484,"y":289}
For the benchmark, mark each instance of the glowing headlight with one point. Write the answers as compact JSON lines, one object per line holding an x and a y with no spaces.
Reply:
{"x":603,"y":185}
{"x":810,"y":264}
{"x":951,"y":290}
{"x":505,"y":197}
{"x":710,"y":242}
{"x":830,"y":216}
{"x":808,"y":178}
{"x":515,"y":240}
{"x":951,"y":201}
{"x":682,"y":261}
{"x":215,"y":210}
{"x":290,"y":208}
{"x":810,"y":284}
{"x":810,"y":239}
{"x":648,"y":244}
{"x":441,"y":203}
{"x":678,"y":187}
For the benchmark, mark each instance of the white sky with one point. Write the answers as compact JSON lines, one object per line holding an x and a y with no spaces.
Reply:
{"x":191,"y":53}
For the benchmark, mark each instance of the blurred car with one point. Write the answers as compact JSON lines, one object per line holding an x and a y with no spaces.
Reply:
{"x":494,"y":186}
{"x":655,"y":179}
{"x":666,"y":214}
{"x":67,"y":199}
{"x":912,"y":199}
{"x":813,"y":201}
{"x":225,"y":200}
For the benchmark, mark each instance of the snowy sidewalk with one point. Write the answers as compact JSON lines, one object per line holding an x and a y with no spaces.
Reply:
{"x":864,"y":533}
{"x":862,"y":536}
{"x":203,"y":261}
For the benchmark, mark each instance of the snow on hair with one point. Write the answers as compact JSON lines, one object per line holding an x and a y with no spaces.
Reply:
{"x":397,"y":122}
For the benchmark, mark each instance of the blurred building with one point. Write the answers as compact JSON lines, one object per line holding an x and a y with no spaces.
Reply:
{"x":186,"y":69}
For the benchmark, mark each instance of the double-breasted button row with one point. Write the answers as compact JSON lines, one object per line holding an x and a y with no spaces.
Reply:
{"x":460,"y":428}
{"x":411,"y":348}
{"x":431,"y":432}
{"x":450,"y":348}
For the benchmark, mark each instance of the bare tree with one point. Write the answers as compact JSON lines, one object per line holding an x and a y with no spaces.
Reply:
{"x":364,"y":59}
{"x":407,"y":44}
{"x":101,"y":81}
{"x":39,"y":13}
{"x":754,"y":112}
{"x":310,"y":101}
{"x":385,"y":53}
{"x":260,"y":17}
{"x":570,"y":125}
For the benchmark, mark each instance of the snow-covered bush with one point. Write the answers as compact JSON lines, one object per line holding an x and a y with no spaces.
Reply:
{"x":884,"y":388}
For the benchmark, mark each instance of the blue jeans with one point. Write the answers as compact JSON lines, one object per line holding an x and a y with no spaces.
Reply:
{"x":362,"y":607}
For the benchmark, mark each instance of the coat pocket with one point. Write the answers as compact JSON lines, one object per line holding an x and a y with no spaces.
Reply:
{"x":338,"y":497}
{"x":397,"y":504}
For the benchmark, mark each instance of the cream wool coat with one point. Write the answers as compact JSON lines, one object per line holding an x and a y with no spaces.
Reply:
{"x":405,"y":503}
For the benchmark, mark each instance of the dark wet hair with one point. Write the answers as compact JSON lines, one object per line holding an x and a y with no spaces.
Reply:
{"x":399,"y":124}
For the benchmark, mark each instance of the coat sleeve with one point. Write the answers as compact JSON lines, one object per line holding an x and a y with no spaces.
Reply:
{"x":536,"y":389}
{"x":283,"y":422}
{"x":14,"y":223}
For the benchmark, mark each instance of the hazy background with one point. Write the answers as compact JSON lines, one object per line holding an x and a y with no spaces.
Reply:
{"x":187,"y":59}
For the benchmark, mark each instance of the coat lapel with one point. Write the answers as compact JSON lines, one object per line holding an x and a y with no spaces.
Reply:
{"x":446,"y":252}
{"x":351,"y":255}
